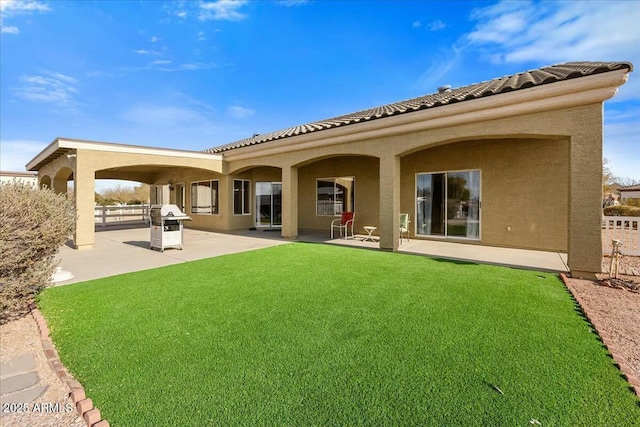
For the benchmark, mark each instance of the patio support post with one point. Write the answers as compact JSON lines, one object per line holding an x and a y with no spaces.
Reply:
{"x":289,"y":202}
{"x":585,"y":195}
{"x":389,"y":202}
{"x":84,"y":188}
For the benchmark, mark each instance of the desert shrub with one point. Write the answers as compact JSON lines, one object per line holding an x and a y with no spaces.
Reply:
{"x":632,"y":202}
{"x":34,"y":224}
{"x":621,"y":210}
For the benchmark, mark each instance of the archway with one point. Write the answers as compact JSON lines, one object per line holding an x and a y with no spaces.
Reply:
{"x":61,"y":180}
{"x":45,"y":181}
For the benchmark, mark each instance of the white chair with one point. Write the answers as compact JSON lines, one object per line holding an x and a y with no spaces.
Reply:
{"x":344,"y":223}
{"x":404,"y":225}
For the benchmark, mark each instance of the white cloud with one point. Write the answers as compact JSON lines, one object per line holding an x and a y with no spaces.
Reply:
{"x":154,"y":39}
{"x":436,"y":25}
{"x":16,"y":153}
{"x":179,"y":112}
{"x":146,"y":52}
{"x":416,"y":24}
{"x":10,"y":30}
{"x":163,"y":116}
{"x":11,"y":8}
{"x":515,"y":32}
{"x":442,"y":62}
{"x":291,"y":3}
{"x":16,"y":7}
{"x":238,"y":112}
{"x":48,"y":88}
{"x":222,"y":10}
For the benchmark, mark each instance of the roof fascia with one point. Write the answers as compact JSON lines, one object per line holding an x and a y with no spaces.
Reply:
{"x":75,"y":144}
{"x":565,"y":94}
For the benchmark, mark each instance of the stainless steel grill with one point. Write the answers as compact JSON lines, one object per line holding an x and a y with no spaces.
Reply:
{"x":166,"y":227}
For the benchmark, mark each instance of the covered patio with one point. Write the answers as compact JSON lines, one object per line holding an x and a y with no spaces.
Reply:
{"x":125,"y":250}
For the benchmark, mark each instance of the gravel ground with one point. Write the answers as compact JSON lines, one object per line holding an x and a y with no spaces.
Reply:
{"x":615,"y":311}
{"x":20,"y":337}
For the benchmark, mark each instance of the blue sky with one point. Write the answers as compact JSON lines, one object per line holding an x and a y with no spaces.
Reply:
{"x":197,"y":74}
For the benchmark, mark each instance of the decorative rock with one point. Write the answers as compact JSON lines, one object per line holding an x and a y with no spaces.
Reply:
{"x":19,"y":382}
{"x":17,"y":365}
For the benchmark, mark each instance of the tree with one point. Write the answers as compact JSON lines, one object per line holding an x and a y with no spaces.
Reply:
{"x":608,"y":179}
{"x":124,"y":194}
{"x":34,"y":224}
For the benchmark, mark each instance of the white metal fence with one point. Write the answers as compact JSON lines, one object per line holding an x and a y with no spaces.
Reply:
{"x":117,"y":215}
{"x":623,"y":228}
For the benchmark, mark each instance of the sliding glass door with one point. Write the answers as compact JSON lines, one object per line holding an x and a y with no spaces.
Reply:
{"x":268,"y":204}
{"x":448,"y":204}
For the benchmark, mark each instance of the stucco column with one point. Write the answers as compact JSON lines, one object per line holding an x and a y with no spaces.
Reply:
{"x":84,"y":188}
{"x":289,"y":202}
{"x":389,"y":202}
{"x":585,"y":195}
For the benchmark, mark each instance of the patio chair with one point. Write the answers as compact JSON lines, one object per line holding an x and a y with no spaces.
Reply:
{"x":404,"y":225}
{"x":344,"y":223}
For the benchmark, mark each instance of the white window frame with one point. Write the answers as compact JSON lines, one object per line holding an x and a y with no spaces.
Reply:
{"x":245,"y":199}
{"x":214,"y":204}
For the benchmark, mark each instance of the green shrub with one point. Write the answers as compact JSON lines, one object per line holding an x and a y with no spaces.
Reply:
{"x":621,"y":210}
{"x":34,"y":224}
{"x":632,"y":202}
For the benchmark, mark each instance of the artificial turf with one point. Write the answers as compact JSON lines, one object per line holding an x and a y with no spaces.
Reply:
{"x":305,"y":335}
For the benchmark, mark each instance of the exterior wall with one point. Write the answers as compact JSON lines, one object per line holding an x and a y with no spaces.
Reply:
{"x":186,"y":177}
{"x":366,"y":204}
{"x":225,"y":219}
{"x":25,"y":177}
{"x":523,"y":188}
{"x":628,"y":194}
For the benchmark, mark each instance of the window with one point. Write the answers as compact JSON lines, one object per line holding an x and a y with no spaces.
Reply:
{"x":335,"y":195}
{"x":241,"y":197}
{"x":157,"y":195}
{"x":448,"y":204}
{"x":204,"y":197}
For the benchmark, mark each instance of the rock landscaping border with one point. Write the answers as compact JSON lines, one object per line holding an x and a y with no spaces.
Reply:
{"x":84,"y":406}
{"x":625,"y":370}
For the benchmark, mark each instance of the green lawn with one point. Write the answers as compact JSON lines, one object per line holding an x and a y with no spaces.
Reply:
{"x":305,"y":335}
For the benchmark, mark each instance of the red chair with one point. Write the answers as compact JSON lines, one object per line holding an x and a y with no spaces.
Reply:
{"x":344,"y":223}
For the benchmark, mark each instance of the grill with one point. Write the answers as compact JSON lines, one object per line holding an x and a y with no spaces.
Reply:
{"x":166,"y":227}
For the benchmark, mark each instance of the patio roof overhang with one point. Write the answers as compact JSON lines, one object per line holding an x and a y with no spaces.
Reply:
{"x":64,"y":146}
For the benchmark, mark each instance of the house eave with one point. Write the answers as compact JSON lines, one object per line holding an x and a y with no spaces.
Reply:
{"x":565,"y":94}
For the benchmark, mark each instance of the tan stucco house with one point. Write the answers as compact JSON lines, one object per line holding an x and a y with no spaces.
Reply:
{"x":512,"y":162}
{"x":629,"y":192}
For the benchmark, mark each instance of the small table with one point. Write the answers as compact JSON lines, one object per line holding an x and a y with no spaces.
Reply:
{"x":369,"y":229}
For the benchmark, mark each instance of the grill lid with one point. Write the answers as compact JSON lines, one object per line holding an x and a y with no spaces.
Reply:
{"x":169,"y":211}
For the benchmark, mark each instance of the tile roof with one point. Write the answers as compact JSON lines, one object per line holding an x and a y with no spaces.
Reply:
{"x":630,"y":188}
{"x":527,"y":79}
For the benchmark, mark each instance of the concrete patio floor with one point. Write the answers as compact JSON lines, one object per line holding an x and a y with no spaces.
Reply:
{"x":126,"y":249}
